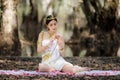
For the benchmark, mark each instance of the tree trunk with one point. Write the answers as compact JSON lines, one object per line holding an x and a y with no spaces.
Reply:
{"x":29,"y":28}
{"x":118,"y":9}
{"x":9,"y":43}
{"x":118,"y":28}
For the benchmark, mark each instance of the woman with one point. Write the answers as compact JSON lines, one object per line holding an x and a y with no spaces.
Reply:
{"x":51,"y":46}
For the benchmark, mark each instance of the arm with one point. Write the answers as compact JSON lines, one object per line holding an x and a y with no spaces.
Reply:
{"x":61,"y":44}
{"x":39,"y":43}
{"x":41,"y":48}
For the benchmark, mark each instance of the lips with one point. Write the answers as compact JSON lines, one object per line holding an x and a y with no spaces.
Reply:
{"x":54,"y":29}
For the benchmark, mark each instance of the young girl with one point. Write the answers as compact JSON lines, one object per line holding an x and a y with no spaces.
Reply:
{"x":51,"y":46}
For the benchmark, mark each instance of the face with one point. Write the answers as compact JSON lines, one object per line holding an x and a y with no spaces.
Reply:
{"x":52,"y":26}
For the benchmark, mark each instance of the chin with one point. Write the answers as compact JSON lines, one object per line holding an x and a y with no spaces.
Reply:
{"x":54,"y":31}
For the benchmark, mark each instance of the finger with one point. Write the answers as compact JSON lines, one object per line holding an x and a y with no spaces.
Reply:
{"x":57,"y":36}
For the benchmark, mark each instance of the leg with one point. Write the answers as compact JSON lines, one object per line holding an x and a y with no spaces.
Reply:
{"x":69,"y":68}
{"x":73,"y":69}
{"x":82,"y":68}
{"x":45,"y":67}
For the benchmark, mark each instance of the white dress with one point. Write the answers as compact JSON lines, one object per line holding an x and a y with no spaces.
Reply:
{"x":52,"y":57}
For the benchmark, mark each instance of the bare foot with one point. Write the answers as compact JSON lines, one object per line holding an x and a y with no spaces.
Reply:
{"x":79,"y":69}
{"x":84,"y":69}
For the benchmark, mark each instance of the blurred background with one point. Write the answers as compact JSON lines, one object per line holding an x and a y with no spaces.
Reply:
{"x":89,"y":27}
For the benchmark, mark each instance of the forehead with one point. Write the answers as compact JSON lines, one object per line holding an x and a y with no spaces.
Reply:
{"x":52,"y":22}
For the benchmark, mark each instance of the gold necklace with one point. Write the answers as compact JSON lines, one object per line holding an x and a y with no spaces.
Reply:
{"x":49,"y":35}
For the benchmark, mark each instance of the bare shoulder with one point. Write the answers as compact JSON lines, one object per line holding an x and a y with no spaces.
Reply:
{"x":41,"y":33}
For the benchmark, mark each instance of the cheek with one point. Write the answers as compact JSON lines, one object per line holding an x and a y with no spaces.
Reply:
{"x":48,"y":27}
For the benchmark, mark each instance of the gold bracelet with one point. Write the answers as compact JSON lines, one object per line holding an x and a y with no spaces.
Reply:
{"x":46,"y":46}
{"x":61,"y":49}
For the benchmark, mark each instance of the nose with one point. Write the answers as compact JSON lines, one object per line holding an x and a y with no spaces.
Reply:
{"x":54,"y":26}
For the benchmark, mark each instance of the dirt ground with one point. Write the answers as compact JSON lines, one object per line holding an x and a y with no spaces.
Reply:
{"x":26,"y":63}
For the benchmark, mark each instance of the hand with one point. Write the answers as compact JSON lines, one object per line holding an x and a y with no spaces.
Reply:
{"x":49,"y":44}
{"x":60,"y":40}
{"x":57,"y":36}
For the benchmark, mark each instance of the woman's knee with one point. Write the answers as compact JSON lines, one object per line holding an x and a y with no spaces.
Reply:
{"x":43,"y":66}
{"x":40,"y":66}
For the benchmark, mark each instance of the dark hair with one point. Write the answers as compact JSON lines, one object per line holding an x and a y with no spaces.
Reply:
{"x":50,"y":18}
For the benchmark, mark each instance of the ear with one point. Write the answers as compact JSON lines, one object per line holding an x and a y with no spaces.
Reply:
{"x":47,"y":27}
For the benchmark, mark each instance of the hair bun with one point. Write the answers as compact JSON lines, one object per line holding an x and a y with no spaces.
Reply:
{"x":50,"y":18}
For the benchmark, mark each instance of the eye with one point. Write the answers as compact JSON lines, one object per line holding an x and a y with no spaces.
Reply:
{"x":51,"y":24}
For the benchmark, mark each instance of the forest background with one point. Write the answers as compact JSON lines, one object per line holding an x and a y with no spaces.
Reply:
{"x":89,"y":27}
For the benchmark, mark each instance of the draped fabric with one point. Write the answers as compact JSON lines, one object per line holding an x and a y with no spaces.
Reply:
{"x":51,"y":53}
